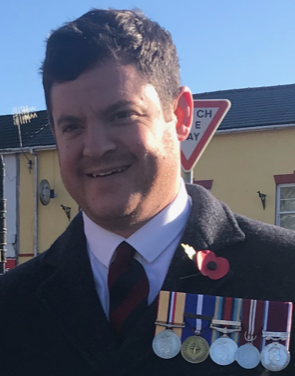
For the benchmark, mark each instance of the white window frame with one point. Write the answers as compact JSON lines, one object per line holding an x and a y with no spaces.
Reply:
{"x":278,"y":201}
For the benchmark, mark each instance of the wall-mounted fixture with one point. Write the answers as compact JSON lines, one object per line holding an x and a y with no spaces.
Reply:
{"x":262,"y":197}
{"x":67,"y":210}
{"x":45,"y":193}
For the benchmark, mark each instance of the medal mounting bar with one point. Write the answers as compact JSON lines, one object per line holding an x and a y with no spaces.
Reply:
{"x":226,"y":322}
{"x":169,"y":325}
{"x":225,"y":330}
{"x":275,"y":336}
{"x":195,"y":316}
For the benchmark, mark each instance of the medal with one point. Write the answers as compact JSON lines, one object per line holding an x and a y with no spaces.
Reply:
{"x":248,"y":355}
{"x":275,"y":357}
{"x":166,"y":343}
{"x":223,"y":349}
{"x":276,"y":335}
{"x":199,"y":310}
{"x":195,"y":349}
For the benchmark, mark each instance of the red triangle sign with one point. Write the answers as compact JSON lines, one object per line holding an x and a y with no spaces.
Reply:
{"x":208,"y":114}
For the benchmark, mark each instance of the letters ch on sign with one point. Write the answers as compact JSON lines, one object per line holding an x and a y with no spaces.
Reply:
{"x":197,"y":123}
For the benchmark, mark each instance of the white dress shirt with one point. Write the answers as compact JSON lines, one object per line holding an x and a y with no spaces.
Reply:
{"x":155,"y":244}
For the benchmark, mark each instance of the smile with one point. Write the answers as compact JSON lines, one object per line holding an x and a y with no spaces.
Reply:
{"x":109,"y":172}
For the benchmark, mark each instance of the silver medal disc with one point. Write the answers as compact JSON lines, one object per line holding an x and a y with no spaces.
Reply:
{"x":223,"y":351}
{"x":166,"y":344}
{"x":275,"y":357}
{"x":248,"y":356}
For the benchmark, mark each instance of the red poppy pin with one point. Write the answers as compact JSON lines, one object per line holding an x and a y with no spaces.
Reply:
{"x":212,"y":266}
{"x":207,"y":262}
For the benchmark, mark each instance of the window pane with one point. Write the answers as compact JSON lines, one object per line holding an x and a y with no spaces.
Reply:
{"x":288,"y":192}
{"x":287,"y":221}
{"x":287,"y":205}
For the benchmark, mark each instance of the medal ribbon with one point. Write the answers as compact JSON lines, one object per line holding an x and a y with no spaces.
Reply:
{"x":228,"y":309}
{"x":252,"y":322}
{"x":170,"y":311}
{"x":277,"y":319}
{"x":201,"y":305}
{"x":236,"y":316}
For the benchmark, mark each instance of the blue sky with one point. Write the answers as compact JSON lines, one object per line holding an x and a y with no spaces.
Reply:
{"x":222,"y":44}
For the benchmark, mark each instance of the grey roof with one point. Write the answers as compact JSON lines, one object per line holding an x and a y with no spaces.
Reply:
{"x":251,"y":107}
{"x":254,"y":107}
{"x":34,"y":133}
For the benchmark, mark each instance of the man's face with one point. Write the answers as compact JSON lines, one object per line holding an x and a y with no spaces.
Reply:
{"x":118,"y":153}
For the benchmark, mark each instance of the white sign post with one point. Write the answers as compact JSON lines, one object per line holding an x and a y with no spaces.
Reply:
{"x":208,"y":114}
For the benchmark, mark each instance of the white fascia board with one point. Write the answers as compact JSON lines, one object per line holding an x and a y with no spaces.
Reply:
{"x":27,"y":149}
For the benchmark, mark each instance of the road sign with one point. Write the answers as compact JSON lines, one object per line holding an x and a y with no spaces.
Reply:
{"x":208,"y":114}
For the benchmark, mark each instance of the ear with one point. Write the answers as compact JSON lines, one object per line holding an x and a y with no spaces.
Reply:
{"x":183,"y":110}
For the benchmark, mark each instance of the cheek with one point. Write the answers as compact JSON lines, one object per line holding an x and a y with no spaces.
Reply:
{"x":68,"y":153}
{"x":68,"y":164}
{"x":148,"y":140}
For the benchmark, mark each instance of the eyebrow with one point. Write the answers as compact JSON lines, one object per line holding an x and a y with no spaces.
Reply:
{"x":70,"y":119}
{"x":114,"y":107}
{"x":103,"y":113}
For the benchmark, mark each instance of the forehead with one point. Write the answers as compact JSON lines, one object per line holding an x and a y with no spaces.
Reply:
{"x":102,"y":86}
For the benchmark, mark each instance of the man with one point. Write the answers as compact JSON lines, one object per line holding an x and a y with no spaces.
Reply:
{"x":118,"y":113}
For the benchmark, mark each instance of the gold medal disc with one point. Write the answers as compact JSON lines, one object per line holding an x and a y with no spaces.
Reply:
{"x":195,"y":349}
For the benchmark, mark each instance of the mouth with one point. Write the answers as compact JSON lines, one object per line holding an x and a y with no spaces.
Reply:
{"x":109,"y":172}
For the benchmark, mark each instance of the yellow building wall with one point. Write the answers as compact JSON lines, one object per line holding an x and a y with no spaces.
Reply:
{"x":241,"y":164}
{"x":52,"y":220}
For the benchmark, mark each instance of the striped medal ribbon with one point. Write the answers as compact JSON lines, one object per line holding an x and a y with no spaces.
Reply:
{"x":248,"y":355}
{"x":226,"y":321}
{"x":198,"y":313}
{"x":169,"y":324}
{"x":276,"y":335}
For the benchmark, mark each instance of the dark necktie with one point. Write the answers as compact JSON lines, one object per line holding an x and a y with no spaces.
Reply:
{"x":128,"y":288}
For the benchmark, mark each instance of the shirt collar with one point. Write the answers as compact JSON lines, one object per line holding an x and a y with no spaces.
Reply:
{"x":150,"y":240}
{"x":102,"y":243}
{"x":156,"y":235}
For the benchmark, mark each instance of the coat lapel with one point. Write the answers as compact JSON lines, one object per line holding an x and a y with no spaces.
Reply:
{"x":211,"y":226}
{"x":71,"y":298}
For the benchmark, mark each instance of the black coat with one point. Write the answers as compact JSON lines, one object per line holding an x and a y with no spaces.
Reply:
{"x":52,"y":322}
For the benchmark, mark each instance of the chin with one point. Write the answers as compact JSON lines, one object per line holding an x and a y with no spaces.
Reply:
{"x":109,"y":213}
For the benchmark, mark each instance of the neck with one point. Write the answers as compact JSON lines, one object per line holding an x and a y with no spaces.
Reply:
{"x":126,"y":225}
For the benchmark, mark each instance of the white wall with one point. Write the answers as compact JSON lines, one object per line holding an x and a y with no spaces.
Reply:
{"x":11,"y":202}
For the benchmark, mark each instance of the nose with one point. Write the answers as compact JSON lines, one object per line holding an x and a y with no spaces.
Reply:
{"x":98,"y":140}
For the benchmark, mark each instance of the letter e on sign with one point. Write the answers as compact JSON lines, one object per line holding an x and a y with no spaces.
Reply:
{"x":207,"y":116}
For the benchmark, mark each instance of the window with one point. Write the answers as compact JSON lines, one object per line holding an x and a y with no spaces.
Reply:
{"x":286,"y":206}
{"x":205,"y":183}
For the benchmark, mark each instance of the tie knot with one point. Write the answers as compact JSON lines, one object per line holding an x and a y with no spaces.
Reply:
{"x":124,"y":252}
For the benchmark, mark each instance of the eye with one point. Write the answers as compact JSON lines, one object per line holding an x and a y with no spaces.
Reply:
{"x":70,"y":128}
{"x":125,"y":115}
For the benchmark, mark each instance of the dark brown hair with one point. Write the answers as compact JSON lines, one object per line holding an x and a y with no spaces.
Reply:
{"x":121,"y":35}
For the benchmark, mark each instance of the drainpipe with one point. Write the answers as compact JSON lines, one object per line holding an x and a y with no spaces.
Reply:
{"x":35,"y":202}
{"x":3,"y":230}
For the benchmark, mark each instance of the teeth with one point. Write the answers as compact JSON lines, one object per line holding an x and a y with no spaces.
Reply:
{"x":108,"y":173}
